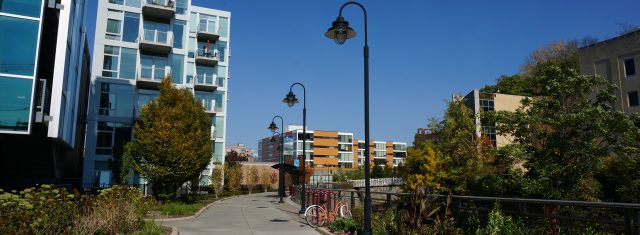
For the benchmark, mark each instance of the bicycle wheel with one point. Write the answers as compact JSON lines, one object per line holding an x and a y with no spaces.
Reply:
{"x":345,"y":213}
{"x":313,"y":215}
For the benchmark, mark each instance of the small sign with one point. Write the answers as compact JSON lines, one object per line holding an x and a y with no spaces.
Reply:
{"x":296,"y":162}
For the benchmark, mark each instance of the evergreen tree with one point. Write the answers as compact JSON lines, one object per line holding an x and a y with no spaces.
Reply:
{"x":172,"y":142}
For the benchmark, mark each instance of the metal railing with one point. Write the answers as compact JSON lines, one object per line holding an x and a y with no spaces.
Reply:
{"x":203,"y":28}
{"x":153,"y":73}
{"x":205,"y":79}
{"x":209,"y":105}
{"x":620,"y":217}
{"x":207,"y":54}
{"x":162,"y":3}
{"x":155,"y":36}
{"x":378,"y":182}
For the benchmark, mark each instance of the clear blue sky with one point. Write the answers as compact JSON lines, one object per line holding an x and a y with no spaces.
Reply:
{"x":422,"y":52}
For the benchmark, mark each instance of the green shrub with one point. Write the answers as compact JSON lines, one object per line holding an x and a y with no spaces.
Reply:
{"x":44,"y":210}
{"x":501,"y":224}
{"x":344,"y":226}
{"x":50,"y":210}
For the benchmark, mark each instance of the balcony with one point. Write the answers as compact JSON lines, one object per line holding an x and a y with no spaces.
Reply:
{"x":164,"y":9}
{"x":207,"y":57}
{"x":156,"y":41}
{"x":206,"y":82}
{"x":207,"y":31}
{"x":209,"y":106}
{"x":150,"y":76}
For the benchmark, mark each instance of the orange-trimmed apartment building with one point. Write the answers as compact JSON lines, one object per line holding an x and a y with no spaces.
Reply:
{"x":327,"y":151}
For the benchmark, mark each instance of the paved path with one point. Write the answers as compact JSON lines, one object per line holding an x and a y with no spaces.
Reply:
{"x":255,"y":214}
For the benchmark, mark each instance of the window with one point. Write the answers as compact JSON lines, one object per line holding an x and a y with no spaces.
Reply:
{"x":115,"y":100}
{"x":30,"y":8}
{"x":110,"y":62}
{"x":119,"y":2}
{"x":219,"y":95}
{"x":181,"y":6}
{"x":145,"y":97}
{"x":218,"y":152}
{"x":345,"y":164}
{"x":380,"y":146}
{"x":190,"y":68}
{"x":222,"y":46}
{"x":156,"y":32}
{"x":131,"y":26}
{"x":633,"y":99}
{"x":128,"y":63}
{"x":101,"y":174}
{"x":18,"y":45}
{"x":113,"y":30}
{"x":207,"y":101}
{"x":222,"y":75}
{"x":224,"y":22}
{"x":111,"y":138}
{"x":192,"y":45}
{"x":219,"y":124}
{"x":345,"y":138}
{"x":629,"y":67}
{"x":177,"y":64}
{"x":133,"y":3}
{"x":192,"y":22}
{"x":205,"y":75}
{"x":15,"y":103}
{"x":153,"y":67}
{"x":178,"y":33}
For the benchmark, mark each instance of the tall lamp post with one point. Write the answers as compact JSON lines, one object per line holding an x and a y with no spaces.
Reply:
{"x":273,"y":127}
{"x":291,"y":100}
{"x":340,"y":32}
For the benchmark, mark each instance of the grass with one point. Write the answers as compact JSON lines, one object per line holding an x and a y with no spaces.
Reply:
{"x":151,"y":228}
{"x":179,"y":208}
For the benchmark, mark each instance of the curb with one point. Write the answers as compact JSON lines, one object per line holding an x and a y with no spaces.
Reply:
{"x":174,"y":230}
{"x":191,"y":216}
{"x":324,"y":231}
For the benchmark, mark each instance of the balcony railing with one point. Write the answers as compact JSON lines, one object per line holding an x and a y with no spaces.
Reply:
{"x":159,"y":8}
{"x":209,"y":105}
{"x":151,"y":76}
{"x":156,"y":40}
{"x":205,"y":81}
{"x":207,"y":57}
{"x":208,"y":31}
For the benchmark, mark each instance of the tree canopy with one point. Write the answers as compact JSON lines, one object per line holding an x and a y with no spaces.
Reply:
{"x":172,"y":142}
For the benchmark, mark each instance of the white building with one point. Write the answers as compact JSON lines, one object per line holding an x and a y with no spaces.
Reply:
{"x":137,"y":44}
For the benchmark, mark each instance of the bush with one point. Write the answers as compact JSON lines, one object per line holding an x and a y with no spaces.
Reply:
{"x":50,"y":210}
{"x":44,"y":210}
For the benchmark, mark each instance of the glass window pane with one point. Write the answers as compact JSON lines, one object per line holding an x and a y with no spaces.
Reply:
{"x":181,"y":6}
{"x":119,"y":2}
{"x":224,"y":22}
{"x":18,"y":50}
{"x":110,"y":63}
{"x":177,"y":63}
{"x":192,"y":22}
{"x":113,"y":29}
{"x":219,"y":100}
{"x":131,"y":25}
{"x":133,"y":3}
{"x":222,"y":45}
{"x":190,"y":67}
{"x":103,"y":139}
{"x":178,"y":33}
{"x":128,"y":63}
{"x":15,"y":103}
{"x":22,"y":7}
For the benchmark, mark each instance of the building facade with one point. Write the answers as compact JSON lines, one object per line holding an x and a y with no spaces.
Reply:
{"x":44,"y":78}
{"x":137,"y":44}
{"x":327,"y":151}
{"x":242,"y":151}
{"x":479,"y":102}
{"x":617,"y":61}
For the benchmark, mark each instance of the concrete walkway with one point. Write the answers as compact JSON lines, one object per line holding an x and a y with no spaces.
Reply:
{"x":255,"y":214}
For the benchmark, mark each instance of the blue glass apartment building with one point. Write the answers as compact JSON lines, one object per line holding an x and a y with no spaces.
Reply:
{"x":44,"y":77}
{"x":137,"y":44}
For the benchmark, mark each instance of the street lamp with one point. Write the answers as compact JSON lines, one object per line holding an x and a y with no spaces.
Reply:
{"x":340,"y":32}
{"x":273,"y":127}
{"x":291,"y":100}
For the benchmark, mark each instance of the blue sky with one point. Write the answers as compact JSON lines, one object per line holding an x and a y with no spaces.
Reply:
{"x":422,"y":52}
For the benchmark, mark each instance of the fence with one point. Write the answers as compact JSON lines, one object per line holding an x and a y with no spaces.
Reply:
{"x":618,"y":217}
